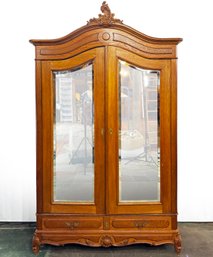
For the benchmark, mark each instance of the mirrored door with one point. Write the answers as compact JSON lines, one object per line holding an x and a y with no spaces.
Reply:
{"x":139,"y":99}
{"x":74,"y":133}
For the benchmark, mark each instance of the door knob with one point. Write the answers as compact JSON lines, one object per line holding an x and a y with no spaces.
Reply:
{"x":102,"y":131}
{"x":110,"y":131}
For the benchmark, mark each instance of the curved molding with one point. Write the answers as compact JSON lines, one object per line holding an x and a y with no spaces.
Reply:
{"x":102,"y":31}
{"x":121,"y":27}
{"x":107,"y":240}
{"x":105,"y":37}
{"x":138,"y":44}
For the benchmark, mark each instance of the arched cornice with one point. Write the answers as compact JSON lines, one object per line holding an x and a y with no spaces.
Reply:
{"x":102,"y":31}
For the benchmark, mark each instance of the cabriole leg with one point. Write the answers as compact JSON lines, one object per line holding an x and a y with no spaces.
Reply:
{"x":177,"y":243}
{"x":36,"y":244}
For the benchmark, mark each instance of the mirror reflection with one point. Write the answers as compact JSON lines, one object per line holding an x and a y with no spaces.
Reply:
{"x":73,"y":135}
{"x":139,"y":134}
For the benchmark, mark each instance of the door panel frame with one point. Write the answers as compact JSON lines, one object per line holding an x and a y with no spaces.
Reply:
{"x":106,"y":108}
{"x":112,"y":138}
{"x":95,"y":55}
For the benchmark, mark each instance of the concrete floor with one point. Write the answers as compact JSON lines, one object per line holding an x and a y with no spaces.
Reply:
{"x":15,"y":241}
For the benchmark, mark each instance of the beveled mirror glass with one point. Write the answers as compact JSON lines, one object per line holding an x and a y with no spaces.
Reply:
{"x":73,"y":179}
{"x":139,"y":134}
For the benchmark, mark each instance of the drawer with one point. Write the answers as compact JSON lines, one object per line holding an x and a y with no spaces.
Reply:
{"x":74,"y":223}
{"x":138,"y":223}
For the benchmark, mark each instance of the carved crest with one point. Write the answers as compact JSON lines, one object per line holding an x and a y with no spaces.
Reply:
{"x":107,"y":18}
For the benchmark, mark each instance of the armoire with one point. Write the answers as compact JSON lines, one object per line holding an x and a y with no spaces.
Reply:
{"x":106,"y":118}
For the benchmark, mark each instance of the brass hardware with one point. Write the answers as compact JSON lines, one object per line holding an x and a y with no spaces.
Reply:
{"x":102,"y":131}
{"x":110,"y":131}
{"x":106,"y":225}
{"x":72,"y":225}
{"x":140,"y":224}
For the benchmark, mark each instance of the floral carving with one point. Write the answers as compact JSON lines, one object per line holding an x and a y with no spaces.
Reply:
{"x":107,"y":18}
{"x":106,"y":241}
{"x":127,"y":242}
{"x":86,"y":241}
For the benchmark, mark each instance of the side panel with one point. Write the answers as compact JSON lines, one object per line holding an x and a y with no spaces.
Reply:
{"x":39,"y":138}
{"x":174,"y":140}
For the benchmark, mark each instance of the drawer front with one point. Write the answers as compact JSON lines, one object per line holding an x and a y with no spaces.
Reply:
{"x":145,"y":223}
{"x":74,"y":223}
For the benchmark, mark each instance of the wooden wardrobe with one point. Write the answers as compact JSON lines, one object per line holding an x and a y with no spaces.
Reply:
{"x":106,"y":115}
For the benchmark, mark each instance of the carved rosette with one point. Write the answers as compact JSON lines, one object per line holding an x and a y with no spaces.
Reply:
{"x":106,"y":240}
{"x":109,"y":240}
{"x":105,"y":36}
{"x":105,"y":19}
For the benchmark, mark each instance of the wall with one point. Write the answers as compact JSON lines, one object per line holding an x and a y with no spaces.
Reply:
{"x":22,"y":20}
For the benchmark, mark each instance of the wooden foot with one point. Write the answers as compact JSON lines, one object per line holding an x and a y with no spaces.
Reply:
{"x":177,"y":243}
{"x":36,"y":244}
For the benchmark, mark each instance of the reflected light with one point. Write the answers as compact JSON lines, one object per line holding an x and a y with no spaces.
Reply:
{"x":124,"y":72}
{"x":123,"y":62}
{"x":146,"y":81}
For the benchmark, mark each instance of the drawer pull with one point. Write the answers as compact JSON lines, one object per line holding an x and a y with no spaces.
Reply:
{"x":140,"y":224}
{"x":72,"y":225}
{"x":106,"y":225}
